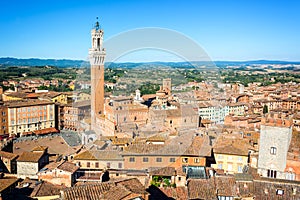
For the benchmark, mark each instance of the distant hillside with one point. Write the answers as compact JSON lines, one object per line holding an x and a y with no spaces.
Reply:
{"x":81,"y":63}
{"x":42,"y":62}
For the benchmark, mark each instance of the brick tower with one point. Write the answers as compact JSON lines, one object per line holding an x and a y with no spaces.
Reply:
{"x":97,"y":57}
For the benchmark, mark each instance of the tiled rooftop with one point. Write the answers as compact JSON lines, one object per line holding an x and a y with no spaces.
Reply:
{"x":8,"y":155}
{"x":30,"y":156}
{"x":55,"y":144}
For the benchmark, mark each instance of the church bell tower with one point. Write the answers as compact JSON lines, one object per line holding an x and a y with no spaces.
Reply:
{"x":97,"y":56}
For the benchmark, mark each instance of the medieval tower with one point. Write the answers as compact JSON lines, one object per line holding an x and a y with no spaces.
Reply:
{"x":97,"y":57}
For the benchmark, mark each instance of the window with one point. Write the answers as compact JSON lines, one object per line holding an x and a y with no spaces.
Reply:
{"x":145,"y":159}
{"x":97,"y":165}
{"x":158,"y":159}
{"x":290,"y":176}
{"x":279,"y":192}
{"x":108,"y":165}
{"x":197,"y":160}
{"x":271,"y":173}
{"x":220,"y":166}
{"x":220,"y":157}
{"x":224,"y":198}
{"x":179,"y":178}
{"x":273,"y":150}
{"x":172,"y":159}
{"x":229,"y":167}
{"x":88,"y":164}
{"x":185,"y":160}
{"x":240,"y":159}
{"x":240,"y":169}
{"x":120,"y":165}
{"x":131,"y":159}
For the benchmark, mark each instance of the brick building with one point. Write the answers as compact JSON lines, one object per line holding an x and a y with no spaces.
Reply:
{"x":59,"y":173}
{"x":28,"y":116}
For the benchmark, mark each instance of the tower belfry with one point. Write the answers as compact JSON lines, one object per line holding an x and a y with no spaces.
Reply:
{"x":97,"y":56}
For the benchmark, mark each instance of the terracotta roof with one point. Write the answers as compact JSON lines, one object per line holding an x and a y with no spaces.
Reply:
{"x":40,"y":148}
{"x":133,"y":185}
{"x":231,"y":146}
{"x":201,"y":189}
{"x":56,"y":145}
{"x":14,"y":104}
{"x":225,"y":185}
{"x":30,"y":156}
{"x":46,"y":131}
{"x":46,"y":189}
{"x":156,"y":138}
{"x":117,"y":192}
{"x":68,"y":166}
{"x":6,"y":183}
{"x":86,"y":155}
{"x":243,"y":177}
{"x":121,"y":141}
{"x":107,"y":190}
{"x":86,"y":192}
{"x":148,"y":96}
{"x":199,"y":147}
{"x":232,"y":150}
{"x":8,"y":155}
{"x":185,"y":144}
{"x":16,"y":94}
{"x":85,"y":103}
{"x":165,"y":171}
{"x":211,"y":188}
{"x":178,"y":193}
{"x":99,"y":155}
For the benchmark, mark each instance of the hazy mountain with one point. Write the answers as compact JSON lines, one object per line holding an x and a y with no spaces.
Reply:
{"x":81,"y":63}
{"x":42,"y":62}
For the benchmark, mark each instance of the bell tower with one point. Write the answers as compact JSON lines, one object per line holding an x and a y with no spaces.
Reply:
{"x":97,"y":57}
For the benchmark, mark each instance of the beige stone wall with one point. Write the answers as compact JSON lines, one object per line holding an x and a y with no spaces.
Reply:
{"x":27,"y":169}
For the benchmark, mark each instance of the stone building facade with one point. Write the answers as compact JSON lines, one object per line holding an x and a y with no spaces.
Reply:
{"x":275,"y":138}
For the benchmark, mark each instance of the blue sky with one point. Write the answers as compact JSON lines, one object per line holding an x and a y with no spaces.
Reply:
{"x":227,"y":29}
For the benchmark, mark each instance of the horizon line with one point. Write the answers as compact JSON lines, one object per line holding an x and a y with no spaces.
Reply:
{"x":71,"y":59}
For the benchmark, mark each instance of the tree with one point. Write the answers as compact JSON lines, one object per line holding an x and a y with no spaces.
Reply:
{"x":265,"y":109}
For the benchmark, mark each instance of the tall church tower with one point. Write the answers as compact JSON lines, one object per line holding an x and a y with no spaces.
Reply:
{"x":97,"y":57}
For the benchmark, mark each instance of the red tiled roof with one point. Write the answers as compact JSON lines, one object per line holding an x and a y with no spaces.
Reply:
{"x":8,"y":155}
{"x":68,"y":166}
{"x":165,"y":171}
{"x":178,"y":193}
{"x":46,"y":189}
{"x":46,"y":131}
{"x":6,"y":183}
{"x":30,"y":156}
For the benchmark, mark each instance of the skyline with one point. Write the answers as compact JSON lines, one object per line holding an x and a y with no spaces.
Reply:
{"x":226,"y":30}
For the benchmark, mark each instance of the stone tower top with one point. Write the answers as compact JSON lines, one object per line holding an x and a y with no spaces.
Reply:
{"x":97,"y":52}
